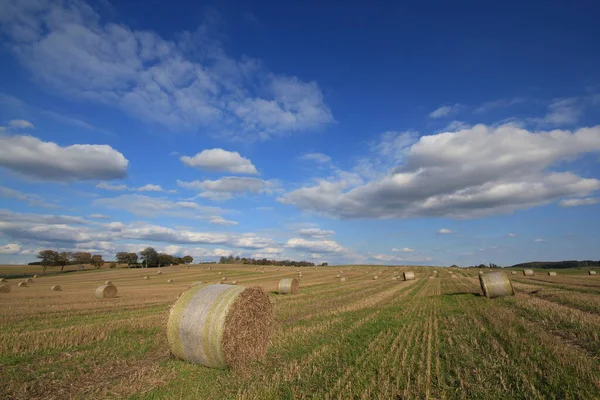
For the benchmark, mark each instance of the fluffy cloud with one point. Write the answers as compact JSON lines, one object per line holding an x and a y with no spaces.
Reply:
{"x":403,"y":250}
{"x":579,"y":202}
{"x":150,"y":188}
{"x":33,"y":200}
{"x":151,"y":207}
{"x":21,"y":124}
{"x":37,"y":159}
{"x":318,"y":158}
{"x":512,"y":235}
{"x":470,"y":173}
{"x":229,"y":186}
{"x":315,"y":233}
{"x":108,"y":186}
{"x":10,"y":248}
{"x":445,"y":231}
{"x":99,"y":216}
{"x":562,"y":112}
{"x":222,"y":221}
{"x":221,"y":161}
{"x":315,"y":246}
{"x":10,"y":216}
{"x":187,"y":83}
{"x":445,"y":111}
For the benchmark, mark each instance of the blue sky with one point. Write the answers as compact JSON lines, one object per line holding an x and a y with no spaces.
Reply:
{"x":408,"y":133}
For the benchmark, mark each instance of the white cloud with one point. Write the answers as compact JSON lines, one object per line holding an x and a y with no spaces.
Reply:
{"x":183,"y":84}
{"x":579,"y":202}
{"x":11,"y":216}
{"x":99,"y":216}
{"x":540,"y":240}
{"x":10,"y":248}
{"x":108,"y":186}
{"x":229,"y":186}
{"x":32,"y":200}
{"x":445,"y":111}
{"x":456,"y":126}
{"x":319,"y":158}
{"x":151,"y":207}
{"x":315,"y":246}
{"x":34,"y":158}
{"x":403,"y":250}
{"x":512,"y":235}
{"x":21,"y":124}
{"x":445,"y":231}
{"x":562,"y":112}
{"x":470,"y":173}
{"x":150,"y":188}
{"x":315,"y":233}
{"x":222,"y":221}
{"x":502,"y":103}
{"x":221,"y":161}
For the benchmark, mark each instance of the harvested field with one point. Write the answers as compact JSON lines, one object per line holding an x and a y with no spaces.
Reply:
{"x":435,"y":337}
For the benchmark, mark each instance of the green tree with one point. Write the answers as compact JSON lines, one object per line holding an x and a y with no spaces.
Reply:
{"x":188,"y":259}
{"x":97,"y":261}
{"x":49,"y":258}
{"x":122,"y":257}
{"x":82,"y":257}
{"x":149,"y":256}
{"x":164,"y":259}
{"x":132,"y":258}
{"x":62,"y":259}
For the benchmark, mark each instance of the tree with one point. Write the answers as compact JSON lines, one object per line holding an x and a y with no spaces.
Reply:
{"x":97,"y":261}
{"x":122,"y":257}
{"x":149,"y":256}
{"x":188,"y":259}
{"x":48,"y":258}
{"x":62,"y":259}
{"x":164,"y":259}
{"x":132,"y":258}
{"x":82,"y":258}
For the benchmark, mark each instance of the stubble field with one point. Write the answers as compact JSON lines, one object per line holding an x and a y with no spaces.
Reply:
{"x":431,"y":338}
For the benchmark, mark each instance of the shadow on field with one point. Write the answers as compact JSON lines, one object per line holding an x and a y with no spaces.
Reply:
{"x":465,"y":294}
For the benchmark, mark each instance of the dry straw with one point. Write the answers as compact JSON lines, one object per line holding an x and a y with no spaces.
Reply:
{"x":159,"y":273}
{"x":4,"y":288}
{"x":528,"y":272}
{"x":288,"y":286}
{"x":29,"y":280}
{"x":551,"y":273}
{"x":220,"y":325}
{"x":22,"y":284}
{"x":496,"y":284}
{"x":3,"y":280}
{"x":223,"y":279}
{"x":107,"y":282}
{"x":146,"y":277}
{"x":337,"y":276}
{"x":454,"y":277}
{"x":592,"y":272}
{"x":170,"y":281}
{"x":343,"y":279}
{"x":375,"y":277}
{"x":513,"y":272}
{"x":234,"y":282}
{"x":106,"y":291}
{"x":35,"y":276}
{"x":409,"y":276}
{"x":56,"y":288}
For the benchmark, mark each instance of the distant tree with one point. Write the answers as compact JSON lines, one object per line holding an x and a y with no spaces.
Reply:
{"x":188,"y":259}
{"x":482,"y":266}
{"x":454,"y":266}
{"x":122,"y":257}
{"x":164,"y":259}
{"x":324,"y":264}
{"x":97,"y":261}
{"x":62,"y":259}
{"x":48,"y":258}
{"x":132,"y":258}
{"x":82,"y":258}
{"x":149,"y":256}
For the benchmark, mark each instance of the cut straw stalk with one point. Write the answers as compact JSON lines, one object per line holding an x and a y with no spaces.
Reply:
{"x":496,"y":284}
{"x":220,"y":325}
{"x":288,"y":286}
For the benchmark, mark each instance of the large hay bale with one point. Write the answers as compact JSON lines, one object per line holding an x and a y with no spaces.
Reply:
{"x":28,"y":280}
{"x":288,"y":286}
{"x":528,"y":272}
{"x":234,"y":282}
{"x":375,"y":277}
{"x":3,"y":280}
{"x":22,"y":284}
{"x":409,"y":276}
{"x":35,"y":276}
{"x":106,"y":291}
{"x":337,"y":276}
{"x":496,"y":284}
{"x":220,"y":273}
{"x":159,"y":273}
{"x":551,"y":273}
{"x":5,"y":288}
{"x":454,"y":276}
{"x":592,"y":272}
{"x":108,"y":282}
{"x":513,"y":272}
{"x":343,"y":279}
{"x":56,"y":288}
{"x":146,"y":277}
{"x":170,"y":281}
{"x":220,"y":325}
{"x":223,"y":279}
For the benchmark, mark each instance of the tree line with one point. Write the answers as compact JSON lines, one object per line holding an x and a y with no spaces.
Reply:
{"x":148,"y":257}
{"x":264,"y":261}
{"x":558,"y":264}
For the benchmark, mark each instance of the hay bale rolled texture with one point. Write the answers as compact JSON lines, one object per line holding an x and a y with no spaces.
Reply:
{"x":528,"y":272}
{"x":3,"y":280}
{"x":35,"y":276}
{"x":146,"y":277}
{"x":592,"y":272}
{"x":551,"y":273}
{"x":170,"y":281}
{"x":343,"y":279}
{"x":106,"y":292}
{"x":5,"y":288}
{"x":28,"y":280}
{"x":56,"y":288}
{"x":288,"y":286}
{"x":159,"y":273}
{"x":409,"y":276}
{"x":108,"y":282}
{"x":513,"y":272}
{"x":496,"y":284}
{"x":220,"y":325}
{"x":22,"y":284}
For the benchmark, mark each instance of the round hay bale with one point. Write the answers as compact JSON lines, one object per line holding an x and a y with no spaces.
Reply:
{"x":35,"y":276}
{"x":343,"y":279}
{"x":107,"y":282}
{"x":170,"y":281}
{"x":592,"y":272}
{"x":223,"y":279}
{"x":209,"y":267}
{"x":5,"y":288}
{"x":454,"y":276}
{"x":29,"y":280}
{"x":528,"y":272}
{"x":56,"y":288}
{"x":159,"y":273}
{"x":187,"y":267}
{"x":22,"y":284}
{"x":220,"y":273}
{"x":220,"y":325}
{"x":513,"y":272}
{"x":3,"y":280}
{"x":480,"y":272}
{"x":496,"y":284}
{"x":551,"y":273}
{"x":278,"y":269}
{"x":106,"y":291}
{"x":146,"y":277}
{"x":409,"y":276}
{"x":288,"y":286}
{"x":337,"y":276}
{"x":234,"y":282}
{"x":375,"y":277}
{"x":262,"y":272}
